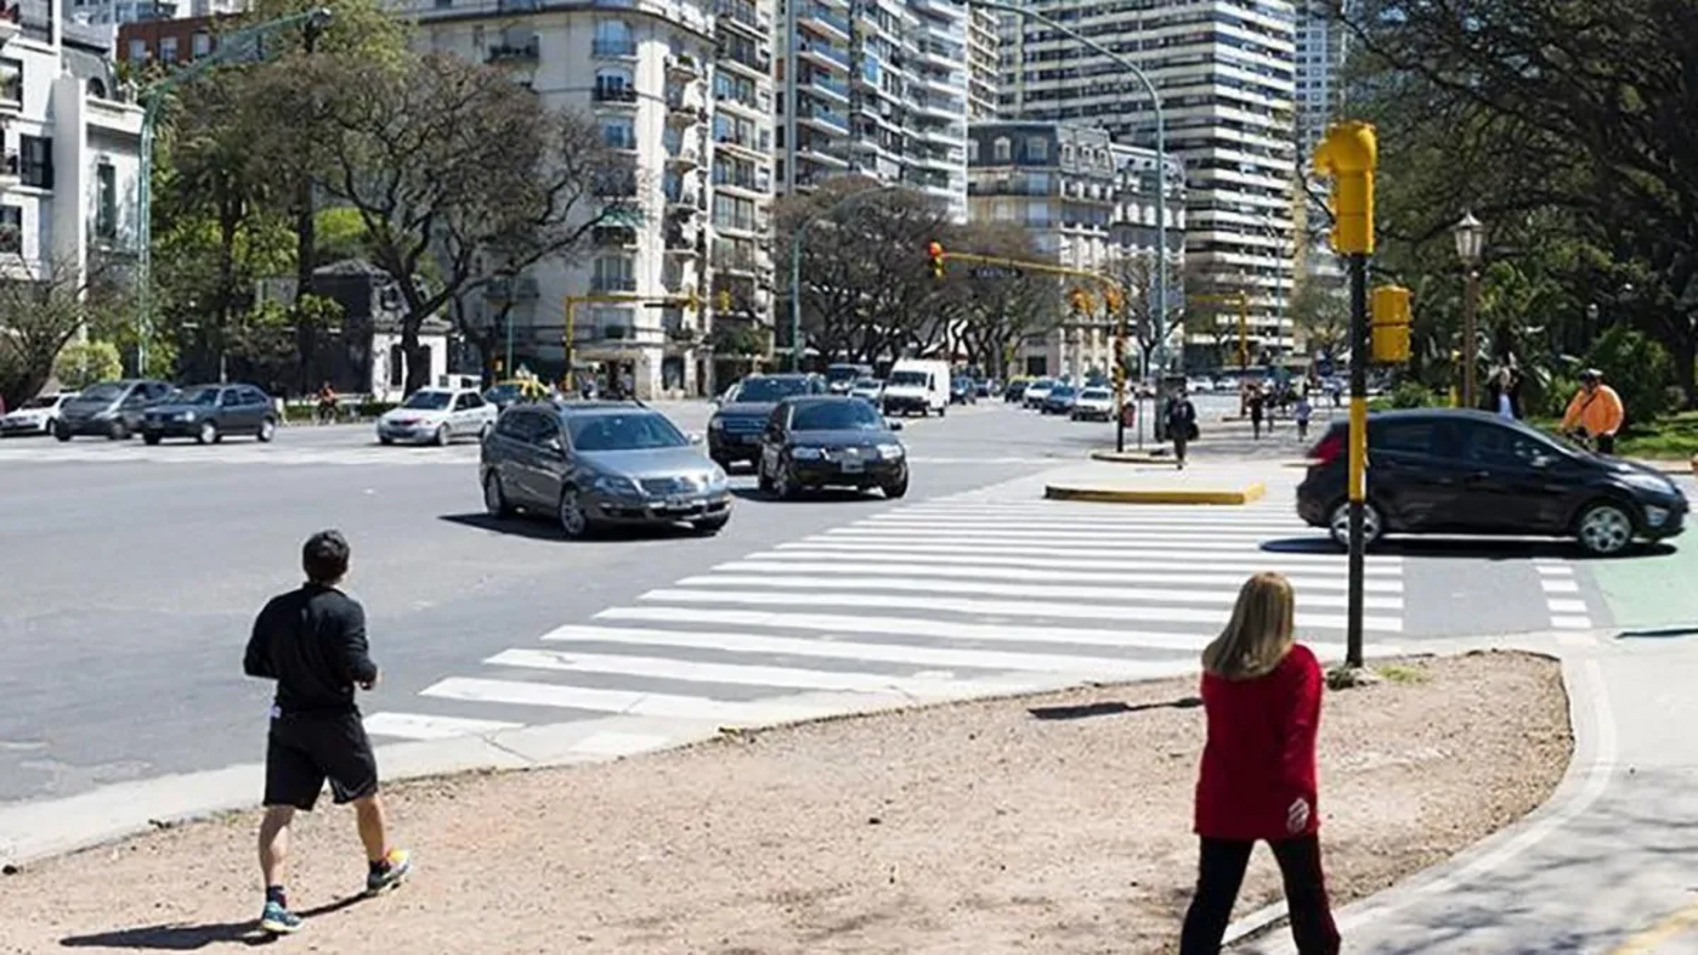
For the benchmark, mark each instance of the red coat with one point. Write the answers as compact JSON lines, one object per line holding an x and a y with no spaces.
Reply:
{"x":1260,"y":754}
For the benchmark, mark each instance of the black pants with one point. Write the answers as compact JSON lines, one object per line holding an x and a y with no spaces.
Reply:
{"x":1221,"y":873}
{"x":1606,"y":443}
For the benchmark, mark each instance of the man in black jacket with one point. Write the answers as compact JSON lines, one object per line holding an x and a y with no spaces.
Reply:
{"x":312,"y":641}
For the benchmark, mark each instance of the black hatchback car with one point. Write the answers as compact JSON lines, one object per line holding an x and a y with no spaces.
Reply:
{"x":830,"y":441}
{"x":207,"y":413}
{"x":1443,"y":471}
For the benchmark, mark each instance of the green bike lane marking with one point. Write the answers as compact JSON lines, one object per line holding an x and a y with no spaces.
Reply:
{"x":1653,"y":590}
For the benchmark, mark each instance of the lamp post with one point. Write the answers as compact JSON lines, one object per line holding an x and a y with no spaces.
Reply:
{"x":230,"y":46}
{"x":1470,"y":235}
{"x":849,"y":201}
{"x":1159,"y":313}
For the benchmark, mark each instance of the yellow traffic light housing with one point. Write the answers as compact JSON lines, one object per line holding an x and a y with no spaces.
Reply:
{"x":694,"y":301}
{"x":1349,"y":155}
{"x":1113,"y":298}
{"x":723,"y":301}
{"x":1389,"y":333}
{"x":935,"y":252}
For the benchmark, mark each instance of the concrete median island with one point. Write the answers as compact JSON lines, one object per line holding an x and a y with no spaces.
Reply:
{"x":1116,"y":483}
{"x":1057,"y":823}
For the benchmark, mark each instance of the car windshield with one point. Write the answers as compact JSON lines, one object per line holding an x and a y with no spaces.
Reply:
{"x":108,"y":392}
{"x":770,"y":390}
{"x":1042,"y":383}
{"x":1061,"y":391}
{"x":195,"y":396}
{"x":1094,"y":393}
{"x":640,"y":431}
{"x":428,"y":400}
{"x":47,"y":401}
{"x":867,"y":383}
{"x":908,"y":378}
{"x":842,"y":372}
{"x":844,"y":415}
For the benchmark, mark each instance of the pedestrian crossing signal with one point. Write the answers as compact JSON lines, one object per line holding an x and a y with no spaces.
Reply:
{"x":935,"y":252}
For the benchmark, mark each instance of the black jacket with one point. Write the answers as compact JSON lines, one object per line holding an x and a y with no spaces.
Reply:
{"x":312,"y":641}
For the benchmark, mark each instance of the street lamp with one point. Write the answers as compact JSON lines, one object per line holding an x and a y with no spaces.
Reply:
{"x":230,"y":46}
{"x":849,"y":201}
{"x":1470,"y":236}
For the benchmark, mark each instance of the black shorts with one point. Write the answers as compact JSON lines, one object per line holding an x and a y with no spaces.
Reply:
{"x":305,"y":750}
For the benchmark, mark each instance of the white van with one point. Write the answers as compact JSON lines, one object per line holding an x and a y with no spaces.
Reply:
{"x":916,"y":386}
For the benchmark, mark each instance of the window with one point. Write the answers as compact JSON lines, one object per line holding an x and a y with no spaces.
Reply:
{"x":168,"y":49}
{"x":618,"y":132}
{"x":106,"y":201}
{"x":200,"y":45}
{"x":613,"y":273}
{"x":138,"y":50}
{"x":1037,"y":148}
{"x":12,"y":80}
{"x":1495,"y":445}
{"x":463,"y":403}
{"x":615,"y":85}
{"x":1001,"y":150}
{"x":972,"y":150}
{"x":11,"y":230}
{"x":613,"y":38}
{"x":1408,"y":437}
{"x":35,"y":161}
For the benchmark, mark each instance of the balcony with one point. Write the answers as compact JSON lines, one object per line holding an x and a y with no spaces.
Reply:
{"x":684,"y":158}
{"x":821,"y":83}
{"x":614,"y":95}
{"x":10,"y":176}
{"x":744,"y":16}
{"x":527,"y":51}
{"x":746,"y":56}
{"x":613,"y":49}
{"x":732,"y":223}
{"x":683,"y":65}
{"x":819,"y":18}
{"x":615,"y":332}
{"x":685,"y":200}
{"x":681,"y":240}
{"x":819,"y":117}
{"x":822,"y":54}
{"x":684,"y":106}
{"x":743,"y":261}
{"x":826,"y":155}
{"x":760,"y":182}
{"x":614,"y":236}
{"x":611,"y":284}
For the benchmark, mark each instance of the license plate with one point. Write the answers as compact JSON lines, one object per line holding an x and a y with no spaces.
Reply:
{"x":750,"y":439}
{"x":853,"y":466}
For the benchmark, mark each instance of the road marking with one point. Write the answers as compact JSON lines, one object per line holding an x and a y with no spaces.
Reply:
{"x":420,"y":726}
{"x":1127,"y":560}
{"x":1551,"y":586}
{"x":979,"y":572}
{"x":828,"y":647}
{"x":1166,"y":553}
{"x":1044,"y":522}
{"x":1559,"y":605}
{"x":692,"y":671}
{"x":1228,"y":595}
{"x":1067,"y":543}
{"x":1673,"y":926}
{"x":1556,"y":577}
{"x":624,"y":702}
{"x":1213,"y":540}
{"x":999,"y":608}
{"x":1570,"y":622}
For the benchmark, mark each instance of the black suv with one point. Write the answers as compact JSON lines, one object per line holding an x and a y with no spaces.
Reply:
{"x":734,"y":431}
{"x":1445,"y":471}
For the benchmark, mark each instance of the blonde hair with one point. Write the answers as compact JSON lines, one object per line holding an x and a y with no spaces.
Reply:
{"x":1260,"y":632}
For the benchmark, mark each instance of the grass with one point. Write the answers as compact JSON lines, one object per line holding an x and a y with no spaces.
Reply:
{"x":1671,"y":437}
{"x":1402,"y":673}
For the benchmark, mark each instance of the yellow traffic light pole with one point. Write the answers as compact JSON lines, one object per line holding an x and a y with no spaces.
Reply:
{"x":691,"y":301}
{"x":1114,"y":296}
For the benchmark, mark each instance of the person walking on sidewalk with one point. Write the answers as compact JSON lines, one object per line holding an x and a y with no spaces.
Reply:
{"x":1301,"y":416}
{"x":1262,"y":698}
{"x":312,"y":641}
{"x":1258,"y":403}
{"x":1596,"y":411}
{"x":1181,"y":423}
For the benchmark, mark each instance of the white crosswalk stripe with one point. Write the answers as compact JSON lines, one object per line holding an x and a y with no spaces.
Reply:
{"x":944,"y":599}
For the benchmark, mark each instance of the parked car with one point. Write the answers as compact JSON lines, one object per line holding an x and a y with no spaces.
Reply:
{"x":1093,"y":404}
{"x":437,"y":415}
{"x":816,"y":442}
{"x":207,"y":413}
{"x":35,"y":416}
{"x":111,"y":409}
{"x":1445,"y":471}
{"x":594,"y":464}
{"x":917,"y":386}
{"x":1060,"y":400}
{"x":734,"y":431}
{"x":868,"y":389}
{"x":1036,"y":392}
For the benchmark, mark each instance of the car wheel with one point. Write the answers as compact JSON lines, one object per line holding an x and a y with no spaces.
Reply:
{"x":1338,"y":525}
{"x":207,"y":433}
{"x":784,"y":486}
{"x":267,"y":431}
{"x":494,"y":498}
{"x":117,"y":430}
{"x":897,"y":488}
{"x":574,"y":523}
{"x":942,"y":411}
{"x":385,"y":441}
{"x":442,"y":436}
{"x":1604,"y":529}
{"x":712,"y":525}
{"x":152,"y":438}
{"x":61,"y":432}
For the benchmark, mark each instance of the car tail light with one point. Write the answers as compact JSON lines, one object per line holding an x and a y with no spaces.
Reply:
{"x":1328,"y":450}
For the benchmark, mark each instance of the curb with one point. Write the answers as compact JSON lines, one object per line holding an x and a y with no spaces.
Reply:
{"x":1133,"y":457}
{"x":1672,"y":468}
{"x":1106,"y":495}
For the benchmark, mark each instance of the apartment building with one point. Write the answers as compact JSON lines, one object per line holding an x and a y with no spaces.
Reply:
{"x":682,"y":87}
{"x":1088,"y":203}
{"x":116,"y":13}
{"x":983,"y":71}
{"x":166,"y":42}
{"x":876,"y":88}
{"x":71,"y":151}
{"x":1225,"y":70}
{"x":1322,"y":45}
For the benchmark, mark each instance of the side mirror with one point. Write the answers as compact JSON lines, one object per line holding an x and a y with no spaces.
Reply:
{"x":894,"y":425}
{"x":695,"y":437}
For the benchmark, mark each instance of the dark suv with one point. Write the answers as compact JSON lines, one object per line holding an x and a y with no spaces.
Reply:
{"x":1442,"y":471}
{"x":734,"y":431}
{"x":111,"y":409}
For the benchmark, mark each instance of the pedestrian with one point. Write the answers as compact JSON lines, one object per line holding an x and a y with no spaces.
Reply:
{"x":1301,"y":415}
{"x":1262,"y":699}
{"x":1258,"y":403}
{"x":312,"y":641}
{"x":1181,"y":423}
{"x":1505,"y":393}
{"x":1595,"y":411}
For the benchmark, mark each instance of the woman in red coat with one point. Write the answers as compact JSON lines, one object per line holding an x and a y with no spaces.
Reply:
{"x":1262,"y":694}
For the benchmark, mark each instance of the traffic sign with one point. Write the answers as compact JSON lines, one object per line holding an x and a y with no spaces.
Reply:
{"x":995,"y":272}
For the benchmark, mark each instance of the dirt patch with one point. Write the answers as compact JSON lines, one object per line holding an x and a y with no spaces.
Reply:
{"x":975,"y":828}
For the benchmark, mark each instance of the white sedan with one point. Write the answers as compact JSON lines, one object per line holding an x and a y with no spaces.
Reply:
{"x":1093,"y":404}
{"x":437,"y":415}
{"x":868,"y":389}
{"x":36,"y":416}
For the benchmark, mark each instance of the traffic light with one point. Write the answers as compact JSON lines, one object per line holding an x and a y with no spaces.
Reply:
{"x":1113,"y":298}
{"x":722,"y":302}
{"x":694,"y":301}
{"x":1389,"y":333}
{"x":935,"y":252}
{"x":1349,"y":155}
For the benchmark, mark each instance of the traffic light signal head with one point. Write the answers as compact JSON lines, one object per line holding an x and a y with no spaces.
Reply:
{"x":1113,"y":298}
{"x":1389,"y":333}
{"x":1349,"y":155}
{"x":722,"y":301}
{"x":935,"y":252}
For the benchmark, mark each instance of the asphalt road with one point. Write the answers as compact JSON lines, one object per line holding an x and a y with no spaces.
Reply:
{"x":130,"y":576}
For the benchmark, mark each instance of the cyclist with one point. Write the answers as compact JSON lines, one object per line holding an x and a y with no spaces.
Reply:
{"x":1595,"y":412}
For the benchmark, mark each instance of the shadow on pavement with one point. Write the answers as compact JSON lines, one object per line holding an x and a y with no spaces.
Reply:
{"x":1464,"y":548}
{"x":1661,"y":633}
{"x":541,"y":528}
{"x":828,"y":494}
{"x":172,"y":937}
{"x":1109,"y":708}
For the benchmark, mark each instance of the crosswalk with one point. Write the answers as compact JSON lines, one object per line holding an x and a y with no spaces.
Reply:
{"x":951,"y":598}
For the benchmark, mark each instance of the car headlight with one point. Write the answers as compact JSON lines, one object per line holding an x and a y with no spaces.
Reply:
{"x":1650,"y":482}
{"x":185,"y":416}
{"x":618,"y":486}
{"x":716,"y":424}
{"x":807,"y":454}
{"x":891,"y":451}
{"x":717,"y":480}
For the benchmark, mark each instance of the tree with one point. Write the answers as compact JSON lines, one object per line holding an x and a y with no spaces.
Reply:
{"x":450,"y":163}
{"x":1321,"y":313}
{"x":998,"y":309}
{"x":1135,"y":270}
{"x":81,"y":364}
{"x":41,"y":313}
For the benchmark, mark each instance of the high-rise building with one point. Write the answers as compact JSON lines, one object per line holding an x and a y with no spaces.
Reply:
{"x":875,"y":88}
{"x":983,"y":71}
{"x":683,"y":89}
{"x":116,"y":13}
{"x":1088,"y":203}
{"x":1321,"y":48}
{"x":1225,"y":72}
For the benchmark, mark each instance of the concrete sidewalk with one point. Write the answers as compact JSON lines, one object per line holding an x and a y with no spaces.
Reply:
{"x":1608,"y":866}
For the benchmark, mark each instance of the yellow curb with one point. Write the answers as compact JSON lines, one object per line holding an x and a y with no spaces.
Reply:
{"x":1105,"y":495}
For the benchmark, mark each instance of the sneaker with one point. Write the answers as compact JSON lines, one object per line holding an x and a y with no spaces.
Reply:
{"x":400,"y":864}
{"x":278,"y":920}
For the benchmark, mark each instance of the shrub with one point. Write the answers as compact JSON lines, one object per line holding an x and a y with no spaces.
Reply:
{"x":1638,"y":368}
{"x":1412,"y":394}
{"x":81,"y":364}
